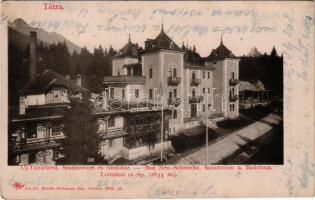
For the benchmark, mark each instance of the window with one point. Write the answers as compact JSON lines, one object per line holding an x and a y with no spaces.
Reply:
{"x":203,"y":108}
{"x":111,"y":122}
{"x":118,"y":73}
{"x":150,"y":94}
{"x":175,"y":92}
{"x":31,"y":133}
{"x":209,"y":106}
{"x":208,"y":75}
{"x":136,"y":93}
{"x":55,"y":154}
{"x":193,"y":92}
{"x":170,"y":95}
{"x":55,"y":130}
{"x":174,"y":114}
{"x":208,"y":90}
{"x":203,"y":75}
{"x":123,"y":93}
{"x":193,"y":75}
{"x":170,"y":72}
{"x":203,"y":90}
{"x":111,"y":93}
{"x":110,"y":143}
{"x":32,"y":158}
{"x":232,"y":75}
{"x":174,"y":72}
{"x":150,"y":72}
{"x":232,"y":108}
{"x":232,"y":92}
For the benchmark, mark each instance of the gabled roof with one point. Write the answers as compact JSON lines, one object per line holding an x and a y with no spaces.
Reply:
{"x":220,"y":53}
{"x":44,"y":82}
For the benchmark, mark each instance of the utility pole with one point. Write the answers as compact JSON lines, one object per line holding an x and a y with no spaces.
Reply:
{"x":162,"y":105}
{"x":162,"y":130}
{"x":207,"y":140}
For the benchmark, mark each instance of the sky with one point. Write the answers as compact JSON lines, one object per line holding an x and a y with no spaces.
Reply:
{"x":241,"y":25}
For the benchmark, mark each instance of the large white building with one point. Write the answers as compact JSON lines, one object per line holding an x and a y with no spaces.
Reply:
{"x":196,"y":89}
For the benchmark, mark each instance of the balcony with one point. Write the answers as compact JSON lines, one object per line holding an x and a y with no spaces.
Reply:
{"x":173,"y":80}
{"x":35,"y":144}
{"x":233,"y":98}
{"x":195,"y":99}
{"x":195,"y":82}
{"x":233,"y":81}
{"x":124,"y":79}
{"x":174,"y":101}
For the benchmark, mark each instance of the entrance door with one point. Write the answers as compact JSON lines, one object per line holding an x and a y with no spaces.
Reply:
{"x":193,"y":110}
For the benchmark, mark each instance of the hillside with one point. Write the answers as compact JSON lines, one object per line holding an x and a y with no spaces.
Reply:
{"x":19,"y":30}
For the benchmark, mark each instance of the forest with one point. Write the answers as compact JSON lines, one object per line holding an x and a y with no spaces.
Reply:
{"x":94,"y":66}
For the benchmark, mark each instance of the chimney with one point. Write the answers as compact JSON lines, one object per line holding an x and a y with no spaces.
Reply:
{"x":33,"y":55}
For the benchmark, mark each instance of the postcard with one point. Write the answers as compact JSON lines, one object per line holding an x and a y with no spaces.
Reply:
{"x":172,"y":99}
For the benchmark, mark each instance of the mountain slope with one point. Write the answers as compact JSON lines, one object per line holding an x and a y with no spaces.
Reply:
{"x":20,"y":26}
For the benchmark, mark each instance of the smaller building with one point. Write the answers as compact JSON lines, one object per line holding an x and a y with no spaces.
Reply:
{"x":36,"y":133}
{"x":225,"y":82}
{"x":132,"y":133}
{"x":252,"y":93}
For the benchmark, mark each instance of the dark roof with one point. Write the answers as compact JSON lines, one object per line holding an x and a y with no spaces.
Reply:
{"x":45,"y":81}
{"x":129,"y":50}
{"x":162,"y":41}
{"x":220,"y":53}
{"x":49,"y":79}
{"x":193,"y":58}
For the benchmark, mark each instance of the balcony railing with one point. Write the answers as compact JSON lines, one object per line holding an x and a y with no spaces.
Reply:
{"x":233,"y":97}
{"x":173,"y":80}
{"x":174,"y":101}
{"x":195,"y":99}
{"x":234,"y":81}
{"x":124,"y":79}
{"x":195,"y":81}
{"x":36,"y":143}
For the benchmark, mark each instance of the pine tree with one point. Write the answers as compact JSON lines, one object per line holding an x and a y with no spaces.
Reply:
{"x":80,"y":129}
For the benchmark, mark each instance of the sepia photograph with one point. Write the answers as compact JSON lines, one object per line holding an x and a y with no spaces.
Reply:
{"x":154,"y":100}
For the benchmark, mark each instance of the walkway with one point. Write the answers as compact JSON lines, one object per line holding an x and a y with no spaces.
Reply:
{"x":232,"y":143}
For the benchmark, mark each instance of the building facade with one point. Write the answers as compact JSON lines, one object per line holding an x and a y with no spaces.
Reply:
{"x":195,"y":89}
